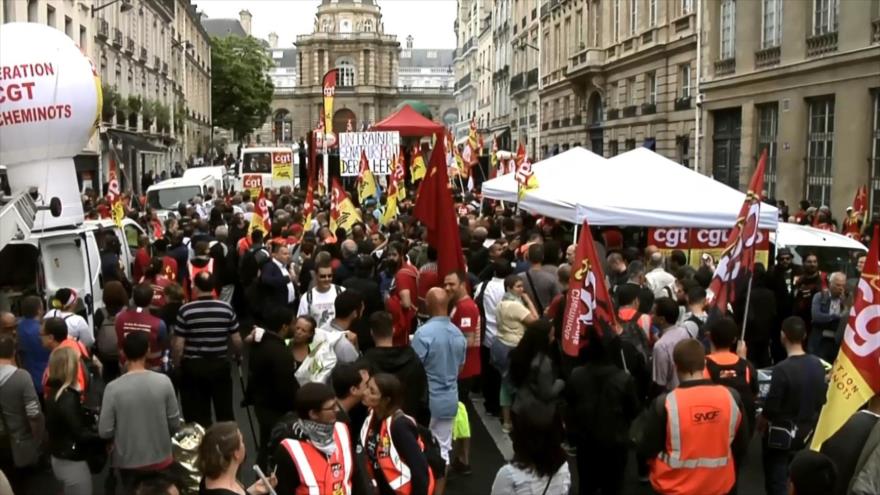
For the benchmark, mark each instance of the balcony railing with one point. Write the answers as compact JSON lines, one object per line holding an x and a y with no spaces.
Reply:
{"x":533,"y":77}
{"x":586,"y":59}
{"x":117,"y":37}
{"x":517,"y":82}
{"x":682,"y":103}
{"x":103,"y":28}
{"x":649,"y":108}
{"x":629,"y":111}
{"x":143,"y":57}
{"x":129,"y":45}
{"x":726,"y":66}
{"x":767,"y":57}
{"x":612,"y":114}
{"x":821,"y":44}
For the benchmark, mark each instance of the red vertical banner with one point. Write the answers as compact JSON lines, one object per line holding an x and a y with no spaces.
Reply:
{"x":738,"y":258}
{"x":588,"y":303}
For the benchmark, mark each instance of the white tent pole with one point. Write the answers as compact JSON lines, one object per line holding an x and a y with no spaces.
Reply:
{"x":576,"y":228}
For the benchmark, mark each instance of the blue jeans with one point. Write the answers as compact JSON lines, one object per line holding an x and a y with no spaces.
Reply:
{"x":776,"y":469}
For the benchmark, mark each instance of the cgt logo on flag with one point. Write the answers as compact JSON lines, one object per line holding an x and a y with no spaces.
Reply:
{"x":587,"y":293}
{"x":732,"y":261}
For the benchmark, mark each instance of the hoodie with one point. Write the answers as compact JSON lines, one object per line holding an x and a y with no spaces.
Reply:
{"x":404,"y":363}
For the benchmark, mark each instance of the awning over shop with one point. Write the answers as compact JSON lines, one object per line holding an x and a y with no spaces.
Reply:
{"x":136,"y":141}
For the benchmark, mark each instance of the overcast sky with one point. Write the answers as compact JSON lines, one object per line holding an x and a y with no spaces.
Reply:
{"x":428,"y":21}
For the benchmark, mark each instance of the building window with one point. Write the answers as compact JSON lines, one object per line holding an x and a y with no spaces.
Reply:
{"x":622,"y":94}
{"x":875,"y":157}
{"x":687,"y":6}
{"x":772,"y":20}
{"x":684,"y":74}
{"x":50,"y":15}
{"x":68,"y":27}
{"x":825,"y":16}
{"x":768,"y":124}
{"x":651,"y":88}
{"x":32,"y":7}
{"x":633,"y":16}
{"x":612,"y":148}
{"x":579,"y":29}
{"x":346,"y":73}
{"x":83,"y":38}
{"x":820,"y":150}
{"x":728,"y":28}
{"x":629,"y":144}
{"x":652,"y":13}
{"x":616,"y":21}
{"x":631,"y":93}
{"x":368,"y":26}
{"x":682,"y":148}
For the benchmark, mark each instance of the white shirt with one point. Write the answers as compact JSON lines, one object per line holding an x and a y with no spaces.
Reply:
{"x":323,"y":307}
{"x":491,"y":298}
{"x":658,"y":280}
{"x":291,"y":291}
{"x":77,"y":326}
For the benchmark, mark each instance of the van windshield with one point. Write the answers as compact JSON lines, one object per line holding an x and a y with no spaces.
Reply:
{"x":257,"y":162}
{"x":168,"y":199}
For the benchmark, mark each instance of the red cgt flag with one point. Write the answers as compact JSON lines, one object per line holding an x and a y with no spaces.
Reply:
{"x":738,"y":258}
{"x":435,"y":209}
{"x":587,"y":302}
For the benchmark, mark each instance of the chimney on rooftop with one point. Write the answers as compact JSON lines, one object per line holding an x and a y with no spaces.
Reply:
{"x":245,"y":17}
{"x":273,"y":40}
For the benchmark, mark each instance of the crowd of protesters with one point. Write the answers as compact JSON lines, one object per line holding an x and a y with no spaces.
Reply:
{"x":362,"y":362}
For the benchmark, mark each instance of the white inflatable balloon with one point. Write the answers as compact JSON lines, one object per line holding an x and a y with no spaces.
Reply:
{"x":50,"y":95}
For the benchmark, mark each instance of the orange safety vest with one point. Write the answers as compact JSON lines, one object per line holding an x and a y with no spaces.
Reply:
{"x":394,"y":470}
{"x":702,"y":422}
{"x":318,"y":473}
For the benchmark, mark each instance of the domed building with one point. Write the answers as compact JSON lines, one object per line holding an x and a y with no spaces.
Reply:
{"x":375,"y":73}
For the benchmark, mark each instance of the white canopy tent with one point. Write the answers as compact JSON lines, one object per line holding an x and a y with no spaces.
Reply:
{"x":556,"y":175}
{"x":636,"y":188}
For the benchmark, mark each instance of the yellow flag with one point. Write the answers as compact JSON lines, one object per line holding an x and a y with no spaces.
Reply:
{"x":525,"y":176}
{"x":390,"y":202}
{"x":418,"y":168}
{"x":366,"y":183}
{"x":343,"y":214}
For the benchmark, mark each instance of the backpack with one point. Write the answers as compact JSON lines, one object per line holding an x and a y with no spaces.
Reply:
{"x":601,"y":413}
{"x":431,"y":449}
{"x":734,"y":376}
{"x":701,"y":334}
{"x":251,"y":262}
{"x":106,"y":340}
{"x":316,"y":367}
{"x":634,"y":335}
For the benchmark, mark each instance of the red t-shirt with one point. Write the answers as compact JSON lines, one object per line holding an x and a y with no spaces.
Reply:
{"x":141,"y":261}
{"x":407,"y":278}
{"x":466,"y":316}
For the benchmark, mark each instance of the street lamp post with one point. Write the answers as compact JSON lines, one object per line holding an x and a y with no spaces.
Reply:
{"x":125,"y":7}
{"x":183,"y":46}
{"x":522,"y":46}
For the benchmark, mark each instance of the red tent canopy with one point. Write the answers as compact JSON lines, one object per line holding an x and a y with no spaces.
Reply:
{"x":409,"y":123}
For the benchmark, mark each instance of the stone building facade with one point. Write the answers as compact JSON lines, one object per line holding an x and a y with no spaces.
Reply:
{"x":155,"y":65}
{"x":349,"y":35}
{"x":802,"y":80}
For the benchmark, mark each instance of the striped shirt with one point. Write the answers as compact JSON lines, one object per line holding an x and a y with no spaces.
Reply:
{"x":205,"y":325}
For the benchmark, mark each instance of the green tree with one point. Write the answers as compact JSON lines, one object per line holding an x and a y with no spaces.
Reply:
{"x":241,"y":90}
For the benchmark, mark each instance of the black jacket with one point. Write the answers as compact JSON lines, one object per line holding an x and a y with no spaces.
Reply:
{"x":271,"y":381}
{"x":70,"y":436}
{"x":346,"y":269}
{"x":273,"y":284}
{"x":403,"y":363}
{"x":369,"y":290}
{"x":616,"y":389}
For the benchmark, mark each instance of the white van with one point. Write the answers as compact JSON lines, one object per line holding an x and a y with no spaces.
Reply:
{"x":218,"y":174}
{"x":50,"y":260}
{"x":258,"y":161}
{"x":165,"y":196}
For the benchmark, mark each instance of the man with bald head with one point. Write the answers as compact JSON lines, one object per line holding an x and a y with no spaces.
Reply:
{"x":348,"y":266}
{"x":8,"y":324}
{"x":440,"y":346}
